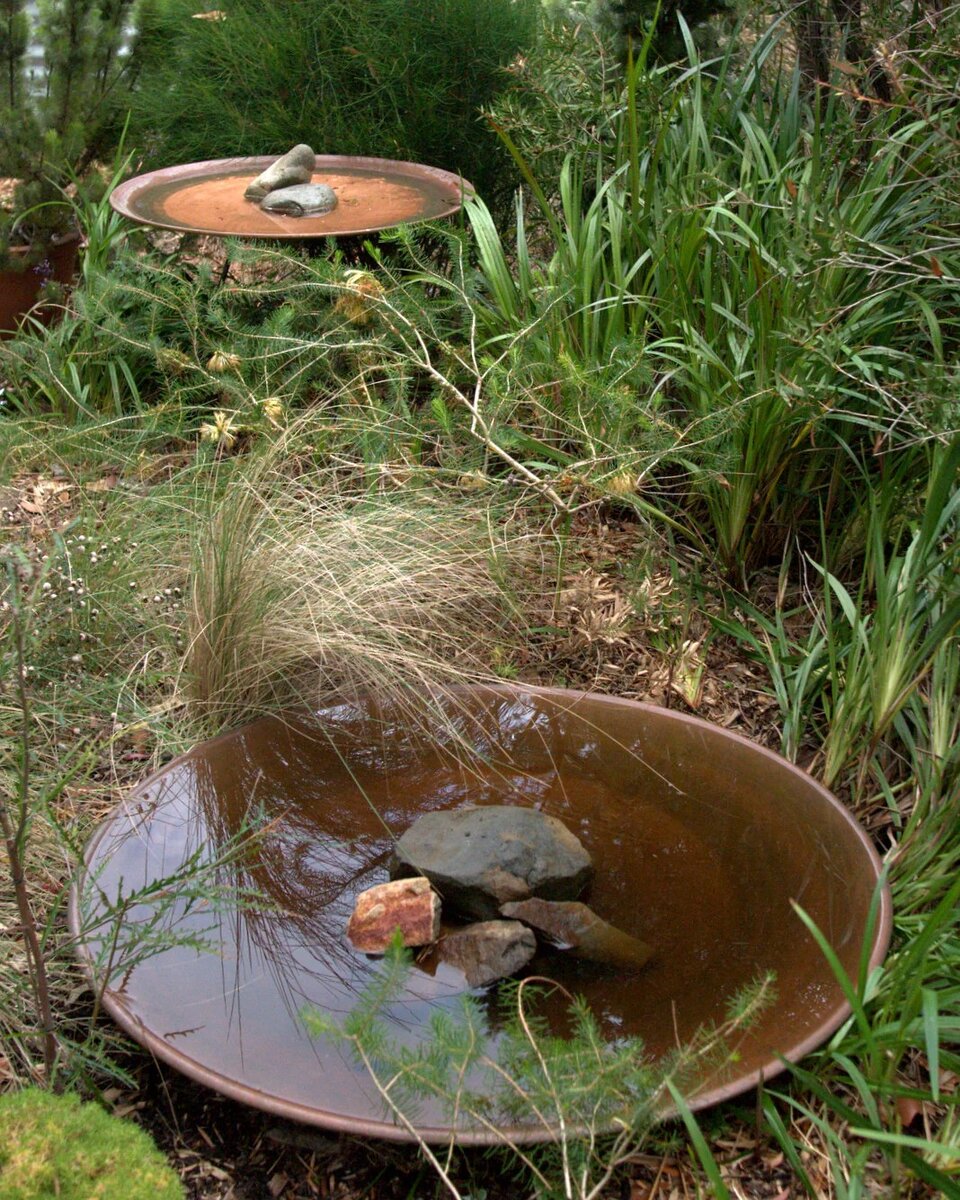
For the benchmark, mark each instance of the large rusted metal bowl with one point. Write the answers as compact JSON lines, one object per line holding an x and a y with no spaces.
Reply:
{"x":702,"y":842}
{"x":207,"y":197}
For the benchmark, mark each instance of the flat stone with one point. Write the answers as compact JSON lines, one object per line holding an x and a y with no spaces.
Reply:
{"x":480,"y":858}
{"x":296,"y":166}
{"x":488,"y":950}
{"x":304,"y":200}
{"x":409,"y":905}
{"x":577,"y":929}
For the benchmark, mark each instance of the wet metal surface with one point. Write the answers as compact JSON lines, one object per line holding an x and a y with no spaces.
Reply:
{"x":699,"y":838}
{"x":207,"y":197}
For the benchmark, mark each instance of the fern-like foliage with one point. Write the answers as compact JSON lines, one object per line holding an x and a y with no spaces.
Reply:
{"x":592,"y":1100}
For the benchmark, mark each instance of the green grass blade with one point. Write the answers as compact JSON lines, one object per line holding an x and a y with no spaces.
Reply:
{"x":707,"y":1161}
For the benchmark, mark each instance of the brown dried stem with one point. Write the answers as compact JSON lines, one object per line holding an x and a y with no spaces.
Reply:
{"x":14,"y":832}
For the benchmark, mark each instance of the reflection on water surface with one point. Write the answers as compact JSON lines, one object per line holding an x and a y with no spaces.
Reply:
{"x":684,"y":860}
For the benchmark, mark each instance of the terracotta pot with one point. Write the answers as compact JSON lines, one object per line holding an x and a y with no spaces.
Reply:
{"x":20,"y":289}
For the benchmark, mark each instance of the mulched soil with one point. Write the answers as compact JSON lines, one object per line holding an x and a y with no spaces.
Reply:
{"x":226,"y":1151}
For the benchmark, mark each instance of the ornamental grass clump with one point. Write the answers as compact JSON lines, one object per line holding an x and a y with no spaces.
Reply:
{"x":308,"y":588}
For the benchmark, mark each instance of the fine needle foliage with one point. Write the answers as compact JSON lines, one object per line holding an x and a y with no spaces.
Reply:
{"x":17,"y":813}
{"x":56,"y":121}
{"x":118,"y":930}
{"x":589,"y":1101}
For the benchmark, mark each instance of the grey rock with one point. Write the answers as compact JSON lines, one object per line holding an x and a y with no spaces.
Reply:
{"x":577,"y":929}
{"x":304,"y":200}
{"x":296,"y":166}
{"x":488,"y":950}
{"x":480,"y":858}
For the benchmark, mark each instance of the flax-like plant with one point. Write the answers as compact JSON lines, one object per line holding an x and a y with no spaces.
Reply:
{"x":859,"y":1091}
{"x":774,"y":295}
{"x":877,"y":669}
{"x":893,"y":631}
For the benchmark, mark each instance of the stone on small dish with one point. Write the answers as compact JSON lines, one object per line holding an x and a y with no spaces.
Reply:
{"x":296,"y":166}
{"x":304,"y":200}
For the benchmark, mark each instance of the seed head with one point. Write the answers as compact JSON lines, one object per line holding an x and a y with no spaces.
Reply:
{"x":220,"y":361}
{"x":624,"y":483}
{"x":362,"y":291}
{"x":222,"y":430}
{"x":273,"y":410}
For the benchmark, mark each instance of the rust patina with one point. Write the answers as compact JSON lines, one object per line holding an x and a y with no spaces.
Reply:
{"x":207,"y":197}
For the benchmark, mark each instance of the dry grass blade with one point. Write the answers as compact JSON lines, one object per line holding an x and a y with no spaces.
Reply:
{"x":303,"y":592}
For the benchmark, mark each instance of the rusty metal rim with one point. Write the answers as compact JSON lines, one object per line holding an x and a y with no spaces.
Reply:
{"x":362,"y":1127}
{"x":121,"y":198}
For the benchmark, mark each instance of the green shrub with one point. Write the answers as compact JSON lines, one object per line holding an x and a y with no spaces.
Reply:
{"x":58,"y":117}
{"x":633,"y":18}
{"x":55,"y":1146}
{"x":387,"y":78}
{"x":786,"y":283}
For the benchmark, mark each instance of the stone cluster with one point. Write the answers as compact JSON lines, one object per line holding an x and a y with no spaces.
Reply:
{"x":514,"y":873}
{"x":285,"y":187}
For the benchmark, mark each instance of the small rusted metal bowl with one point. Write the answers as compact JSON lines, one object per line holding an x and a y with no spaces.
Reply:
{"x":207,"y":197}
{"x":701,"y":840}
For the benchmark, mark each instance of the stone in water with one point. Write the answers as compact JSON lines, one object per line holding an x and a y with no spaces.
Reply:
{"x":304,"y":200}
{"x":296,"y":166}
{"x":577,"y":929}
{"x":480,"y":858}
{"x":488,"y":950}
{"x":407,"y":904}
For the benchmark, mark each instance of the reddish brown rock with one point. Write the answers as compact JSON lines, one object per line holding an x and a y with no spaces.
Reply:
{"x":409,"y":905}
{"x":571,"y":926}
{"x":488,"y":950}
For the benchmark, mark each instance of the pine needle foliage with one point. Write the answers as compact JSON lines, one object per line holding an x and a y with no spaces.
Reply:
{"x":55,"y":122}
{"x":386,"y":78}
{"x":634,"y":19}
{"x":589,"y":1101}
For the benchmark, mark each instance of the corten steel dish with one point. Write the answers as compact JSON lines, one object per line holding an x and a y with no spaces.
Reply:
{"x":700,"y":839}
{"x":207,"y":197}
